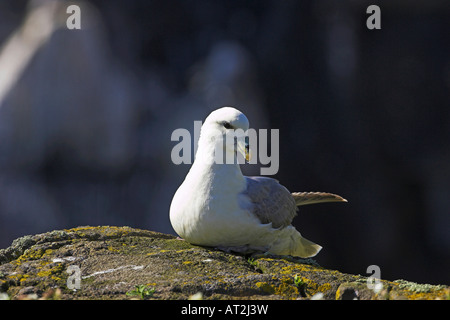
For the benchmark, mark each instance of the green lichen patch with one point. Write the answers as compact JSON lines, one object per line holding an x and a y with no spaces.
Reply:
{"x":417,"y":287}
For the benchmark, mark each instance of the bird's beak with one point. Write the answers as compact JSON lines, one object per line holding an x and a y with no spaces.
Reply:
{"x":244,"y":148}
{"x":248,"y":152}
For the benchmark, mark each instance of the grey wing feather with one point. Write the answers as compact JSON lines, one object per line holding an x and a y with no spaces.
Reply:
{"x":271,"y":201}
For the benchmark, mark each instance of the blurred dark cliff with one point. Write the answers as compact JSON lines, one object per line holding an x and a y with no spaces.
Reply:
{"x":86,"y":116}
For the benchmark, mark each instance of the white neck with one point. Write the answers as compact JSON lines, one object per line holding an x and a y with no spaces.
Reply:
{"x":205,"y":166}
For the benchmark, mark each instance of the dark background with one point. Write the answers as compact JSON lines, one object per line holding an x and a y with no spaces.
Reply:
{"x":85,"y":130}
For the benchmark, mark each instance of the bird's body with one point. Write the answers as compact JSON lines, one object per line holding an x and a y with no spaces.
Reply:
{"x":217,"y":206}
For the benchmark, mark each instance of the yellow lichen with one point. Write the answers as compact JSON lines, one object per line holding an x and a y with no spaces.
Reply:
{"x":324,"y":287}
{"x":24,"y":277}
{"x":52,"y":273}
{"x":15,"y":276}
{"x":287,"y":288}
{"x":433,"y":295}
{"x":338,"y":294}
{"x":265,"y":287}
{"x":295,"y":269}
{"x":29,"y":254}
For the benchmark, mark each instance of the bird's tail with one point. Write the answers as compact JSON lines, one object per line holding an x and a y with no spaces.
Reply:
{"x":290,"y":242}
{"x":304,"y":198}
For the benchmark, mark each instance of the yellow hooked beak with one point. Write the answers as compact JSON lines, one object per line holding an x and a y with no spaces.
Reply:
{"x":248,"y":152}
{"x":244,"y":149}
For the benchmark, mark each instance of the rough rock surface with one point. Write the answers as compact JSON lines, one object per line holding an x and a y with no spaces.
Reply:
{"x":113,"y":262}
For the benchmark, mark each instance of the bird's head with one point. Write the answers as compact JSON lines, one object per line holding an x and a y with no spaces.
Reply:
{"x":228,"y":127}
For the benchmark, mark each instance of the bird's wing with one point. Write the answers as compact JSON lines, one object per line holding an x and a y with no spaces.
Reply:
{"x":271,"y":201}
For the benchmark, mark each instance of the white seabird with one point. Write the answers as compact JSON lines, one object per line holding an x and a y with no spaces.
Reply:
{"x":217,"y":206}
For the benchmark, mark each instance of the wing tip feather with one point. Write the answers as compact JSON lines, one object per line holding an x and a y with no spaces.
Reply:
{"x":304,"y":198}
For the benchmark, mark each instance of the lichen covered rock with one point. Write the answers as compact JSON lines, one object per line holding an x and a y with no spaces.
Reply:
{"x":109,"y":262}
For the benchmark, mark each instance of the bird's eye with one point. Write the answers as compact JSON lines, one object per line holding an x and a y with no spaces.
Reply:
{"x":227,"y":125}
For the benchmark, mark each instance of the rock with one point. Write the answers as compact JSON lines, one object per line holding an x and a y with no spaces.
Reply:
{"x":125,"y":263}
